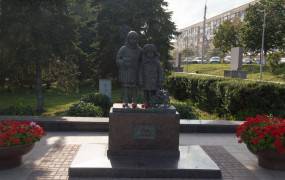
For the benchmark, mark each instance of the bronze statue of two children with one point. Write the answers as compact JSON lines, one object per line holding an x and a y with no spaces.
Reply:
{"x":139,"y":68}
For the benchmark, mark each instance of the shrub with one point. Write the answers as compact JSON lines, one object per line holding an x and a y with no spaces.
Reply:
{"x":100,"y":100}
{"x":274,"y":60}
{"x":178,"y":88}
{"x":83,"y":109}
{"x":230,"y":97}
{"x":18,"y":110}
{"x":184,"y":110}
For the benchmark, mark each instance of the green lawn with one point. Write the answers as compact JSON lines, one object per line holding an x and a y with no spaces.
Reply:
{"x":252,"y":70}
{"x":56,"y":102}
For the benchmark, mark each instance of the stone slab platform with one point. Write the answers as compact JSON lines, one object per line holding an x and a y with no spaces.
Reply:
{"x":92,"y":161}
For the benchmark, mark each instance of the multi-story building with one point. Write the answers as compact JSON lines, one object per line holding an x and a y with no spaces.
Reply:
{"x":192,"y":37}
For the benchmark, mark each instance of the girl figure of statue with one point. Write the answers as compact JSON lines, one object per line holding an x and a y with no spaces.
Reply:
{"x":128,"y":59}
{"x":151,"y":76}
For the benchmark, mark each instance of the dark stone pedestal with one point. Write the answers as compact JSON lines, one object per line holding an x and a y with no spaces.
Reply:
{"x":92,"y":161}
{"x":143,"y":143}
{"x":235,"y":74}
{"x":151,"y":131}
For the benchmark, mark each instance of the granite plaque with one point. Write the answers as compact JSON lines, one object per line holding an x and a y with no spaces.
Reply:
{"x":236,"y":62}
{"x":144,"y":132}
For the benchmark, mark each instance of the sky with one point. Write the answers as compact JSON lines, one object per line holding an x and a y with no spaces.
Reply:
{"x":188,"y":12}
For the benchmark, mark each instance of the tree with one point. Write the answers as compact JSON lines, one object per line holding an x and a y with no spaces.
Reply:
{"x":274,"y":60}
{"x":83,"y":14}
{"x":214,"y":52}
{"x":187,"y":52}
{"x":114,"y":18}
{"x":36,"y":34}
{"x":227,"y":36}
{"x":275,"y":26}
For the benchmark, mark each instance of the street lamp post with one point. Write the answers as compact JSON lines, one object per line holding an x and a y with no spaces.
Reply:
{"x":262,"y":58}
{"x":204,"y":31}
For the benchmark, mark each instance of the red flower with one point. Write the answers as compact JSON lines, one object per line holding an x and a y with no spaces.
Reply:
{"x":255,"y":141}
{"x":19,"y":132}
{"x":263,"y":133}
{"x":15,"y":140}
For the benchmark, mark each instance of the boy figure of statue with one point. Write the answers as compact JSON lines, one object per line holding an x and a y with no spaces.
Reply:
{"x":128,"y":59}
{"x":151,"y":77}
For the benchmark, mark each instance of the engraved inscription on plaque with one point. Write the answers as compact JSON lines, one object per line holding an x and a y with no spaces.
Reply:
{"x":144,"y":132}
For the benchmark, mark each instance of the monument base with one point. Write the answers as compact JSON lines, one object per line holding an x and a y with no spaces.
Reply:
{"x":145,"y":153}
{"x":143,"y":131}
{"x":235,"y":74}
{"x":193,"y":162}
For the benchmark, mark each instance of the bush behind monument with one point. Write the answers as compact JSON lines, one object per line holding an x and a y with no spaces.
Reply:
{"x":228,"y":97}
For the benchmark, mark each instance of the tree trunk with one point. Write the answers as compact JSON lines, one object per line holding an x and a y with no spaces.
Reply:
{"x":39,"y":89}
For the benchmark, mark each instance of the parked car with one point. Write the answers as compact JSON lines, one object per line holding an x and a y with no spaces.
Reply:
{"x":282,"y":60}
{"x":228,"y":59}
{"x":257,"y":60}
{"x":197,"y":60}
{"x":187,"y":60}
{"x":247,"y":60}
{"x":215,"y":60}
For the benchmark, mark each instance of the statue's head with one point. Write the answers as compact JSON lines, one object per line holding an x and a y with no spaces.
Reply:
{"x":132,"y":39}
{"x":150,"y":50}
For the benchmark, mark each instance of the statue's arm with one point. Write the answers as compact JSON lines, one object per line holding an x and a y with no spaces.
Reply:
{"x":140,"y":73}
{"x":120,"y":57}
{"x":160,"y":75}
{"x":140,"y":68}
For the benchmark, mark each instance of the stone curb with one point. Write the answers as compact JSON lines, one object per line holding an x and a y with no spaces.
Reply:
{"x":100,"y":124}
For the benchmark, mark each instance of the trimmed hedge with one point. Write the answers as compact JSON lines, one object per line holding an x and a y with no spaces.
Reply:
{"x":100,"y":100}
{"x":230,"y":97}
{"x":184,"y":109}
{"x":84,"y":109}
{"x":18,"y":110}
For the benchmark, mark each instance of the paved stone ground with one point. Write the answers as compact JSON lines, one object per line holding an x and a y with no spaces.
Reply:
{"x":230,"y":167}
{"x":55,"y":164}
{"x":51,"y":156}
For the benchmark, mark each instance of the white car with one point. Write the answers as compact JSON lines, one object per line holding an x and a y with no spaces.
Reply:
{"x":282,"y":60}
{"x":257,"y":60}
{"x":228,"y":59}
{"x":247,"y":61}
{"x":187,"y":60}
{"x":215,"y":60}
{"x":197,"y":60}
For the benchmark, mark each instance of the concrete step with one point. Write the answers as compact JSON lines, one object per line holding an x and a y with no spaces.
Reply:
{"x":101,"y":124}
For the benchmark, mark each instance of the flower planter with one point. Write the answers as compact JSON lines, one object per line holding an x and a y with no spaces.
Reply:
{"x":11,"y":157}
{"x":265,"y":137}
{"x":16,"y":139}
{"x":271,"y":160}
